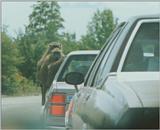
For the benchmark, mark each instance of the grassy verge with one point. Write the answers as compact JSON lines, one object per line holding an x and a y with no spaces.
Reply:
{"x":19,"y":86}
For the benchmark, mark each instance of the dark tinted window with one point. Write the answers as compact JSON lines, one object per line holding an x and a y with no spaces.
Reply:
{"x":143,"y":54}
{"x":77,"y":63}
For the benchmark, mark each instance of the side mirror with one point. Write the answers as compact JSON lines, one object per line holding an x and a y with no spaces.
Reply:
{"x":74,"y":78}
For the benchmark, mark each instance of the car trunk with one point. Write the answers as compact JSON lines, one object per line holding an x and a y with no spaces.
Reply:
{"x":62,"y":94}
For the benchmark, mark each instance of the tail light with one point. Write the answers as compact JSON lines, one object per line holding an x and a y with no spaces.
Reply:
{"x":57,"y":107}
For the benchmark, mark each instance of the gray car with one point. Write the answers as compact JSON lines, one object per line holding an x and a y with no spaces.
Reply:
{"x":121,"y":88}
{"x":60,"y":93}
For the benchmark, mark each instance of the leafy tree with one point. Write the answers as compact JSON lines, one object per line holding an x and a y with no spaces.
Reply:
{"x":10,"y":60}
{"x":10,"y":56}
{"x":69,"y":42}
{"x":26,"y":48}
{"x":45,"y":19}
{"x":13,"y":82}
{"x":44,"y":24}
{"x":98,"y":30}
{"x":88,"y":42}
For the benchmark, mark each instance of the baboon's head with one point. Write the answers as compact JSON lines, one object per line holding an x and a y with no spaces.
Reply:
{"x":53,"y":45}
{"x":55,"y":51}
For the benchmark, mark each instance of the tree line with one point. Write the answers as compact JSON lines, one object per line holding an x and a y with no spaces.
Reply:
{"x":20,"y":54}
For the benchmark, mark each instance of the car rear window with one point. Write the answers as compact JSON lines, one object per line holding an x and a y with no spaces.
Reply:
{"x":76,"y":63}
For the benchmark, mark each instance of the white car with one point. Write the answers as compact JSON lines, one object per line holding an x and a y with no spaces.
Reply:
{"x":122,"y":87}
{"x":60,"y":93}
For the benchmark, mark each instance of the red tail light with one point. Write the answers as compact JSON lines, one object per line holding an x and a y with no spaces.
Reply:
{"x":57,"y":107}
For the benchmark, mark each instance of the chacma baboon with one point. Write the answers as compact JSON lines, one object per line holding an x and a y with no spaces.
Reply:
{"x":48,"y":66}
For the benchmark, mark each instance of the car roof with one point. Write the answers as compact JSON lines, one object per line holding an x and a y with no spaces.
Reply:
{"x":83,"y":52}
{"x":140,"y":17}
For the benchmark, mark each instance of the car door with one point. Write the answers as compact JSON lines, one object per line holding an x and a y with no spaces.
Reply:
{"x":139,"y":66}
{"x":139,"y":71}
{"x":84,"y":105}
{"x":94,"y":104}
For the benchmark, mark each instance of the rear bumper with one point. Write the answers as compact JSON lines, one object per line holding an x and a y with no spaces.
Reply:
{"x":53,"y":121}
{"x":50,"y":121}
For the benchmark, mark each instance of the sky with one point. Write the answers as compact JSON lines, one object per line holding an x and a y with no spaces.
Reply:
{"x":76,"y":14}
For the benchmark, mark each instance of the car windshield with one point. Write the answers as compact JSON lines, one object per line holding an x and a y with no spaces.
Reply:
{"x":76,"y":63}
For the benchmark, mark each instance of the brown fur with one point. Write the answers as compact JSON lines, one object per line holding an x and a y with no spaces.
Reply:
{"x":47,"y":67}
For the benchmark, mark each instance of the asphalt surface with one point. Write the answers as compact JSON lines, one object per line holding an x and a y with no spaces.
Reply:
{"x":21,"y":113}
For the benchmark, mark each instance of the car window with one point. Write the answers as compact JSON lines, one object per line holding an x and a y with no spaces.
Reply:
{"x":76,"y":63}
{"x":103,"y":69}
{"x":143,"y":54}
{"x":93,"y":71}
{"x":92,"y":68}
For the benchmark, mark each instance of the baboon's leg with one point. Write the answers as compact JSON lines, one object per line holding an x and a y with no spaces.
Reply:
{"x":43,"y":91}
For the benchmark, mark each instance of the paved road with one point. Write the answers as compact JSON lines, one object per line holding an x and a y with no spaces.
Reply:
{"x":21,"y":112}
